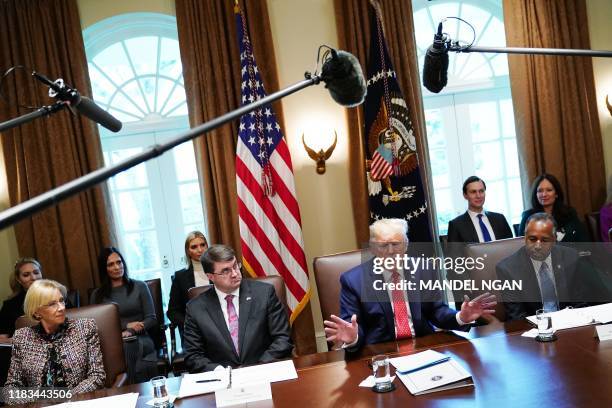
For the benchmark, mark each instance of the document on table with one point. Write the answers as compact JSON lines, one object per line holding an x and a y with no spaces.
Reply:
{"x":115,"y":401}
{"x":271,"y":372}
{"x":417,"y":361}
{"x":203,"y":383}
{"x":568,"y":318}
{"x":242,"y":395}
{"x":443,"y":376}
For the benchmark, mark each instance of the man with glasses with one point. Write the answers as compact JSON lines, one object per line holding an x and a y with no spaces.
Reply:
{"x":236,"y":322}
{"x":374,"y":307}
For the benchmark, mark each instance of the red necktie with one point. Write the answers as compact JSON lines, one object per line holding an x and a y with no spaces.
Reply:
{"x":402,"y":315}
{"x":232,"y":320}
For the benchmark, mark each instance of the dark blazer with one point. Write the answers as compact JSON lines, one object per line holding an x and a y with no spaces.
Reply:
{"x":263,"y":329}
{"x":461,"y":229}
{"x":12,"y":308}
{"x":177,"y":305}
{"x":574,"y":229}
{"x":375,"y":314}
{"x":79,"y":351}
{"x":572,"y":280}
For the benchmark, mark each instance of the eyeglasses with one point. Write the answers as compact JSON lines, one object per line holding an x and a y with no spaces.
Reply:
{"x":56,"y":303}
{"x":226,"y":271}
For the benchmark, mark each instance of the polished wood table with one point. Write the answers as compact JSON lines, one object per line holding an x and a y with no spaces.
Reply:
{"x":508,"y":370}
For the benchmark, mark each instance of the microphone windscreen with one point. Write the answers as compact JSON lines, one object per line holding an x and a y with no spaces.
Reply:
{"x":344,"y":78}
{"x":88,"y":108}
{"x":435,"y":69}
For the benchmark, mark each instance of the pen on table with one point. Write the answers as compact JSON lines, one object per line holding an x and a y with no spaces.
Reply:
{"x":433,"y":363}
{"x":207,"y":381}
{"x":230,"y":377}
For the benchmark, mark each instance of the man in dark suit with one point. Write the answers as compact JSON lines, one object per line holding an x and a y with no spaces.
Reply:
{"x":552,"y":276}
{"x":477,"y":225}
{"x":371,"y":312}
{"x":238,"y":321}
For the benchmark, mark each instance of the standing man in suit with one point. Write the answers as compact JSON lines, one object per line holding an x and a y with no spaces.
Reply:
{"x":370,"y":313}
{"x":477,"y":225}
{"x":238,"y":321}
{"x":552,"y":276}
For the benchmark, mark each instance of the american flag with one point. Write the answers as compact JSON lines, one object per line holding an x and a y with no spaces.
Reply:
{"x":382,"y":163}
{"x":269,"y":216}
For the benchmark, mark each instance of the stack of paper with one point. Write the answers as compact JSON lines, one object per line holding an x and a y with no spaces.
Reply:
{"x":202,"y":383}
{"x":430,"y":371}
{"x":568,"y":318}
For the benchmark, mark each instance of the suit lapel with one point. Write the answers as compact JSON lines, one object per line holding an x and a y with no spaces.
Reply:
{"x":246,"y":300}
{"x":469,"y":228}
{"x":213,"y":308}
{"x":381,"y":296}
{"x":190,"y":277}
{"x":559,"y":273}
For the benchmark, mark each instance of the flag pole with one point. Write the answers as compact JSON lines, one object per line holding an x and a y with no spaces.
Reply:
{"x":52,"y":197}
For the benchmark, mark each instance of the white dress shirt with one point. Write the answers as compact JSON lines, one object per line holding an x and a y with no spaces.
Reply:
{"x":485,"y":220}
{"x":223,"y":302}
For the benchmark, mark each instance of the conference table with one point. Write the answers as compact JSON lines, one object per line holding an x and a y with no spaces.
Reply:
{"x":508,"y":370}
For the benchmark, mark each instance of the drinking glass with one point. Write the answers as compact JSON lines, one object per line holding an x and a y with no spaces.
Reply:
{"x":160,"y":393}
{"x":382,"y":374}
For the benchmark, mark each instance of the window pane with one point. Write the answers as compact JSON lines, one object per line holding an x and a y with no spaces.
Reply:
{"x":101,"y":87}
{"x":184,"y":162}
{"x":516,"y":201}
{"x":114,"y":63}
{"x":170,"y":59}
{"x":483,"y":121}
{"x":439,"y":168}
{"x":136,"y":176}
{"x":511,"y":159}
{"x":191,"y":202}
{"x":487,"y":160}
{"x":143,"y":54}
{"x":435,"y":131}
{"x":507,"y":118}
{"x":136,"y":210}
{"x":142,"y":251}
{"x":444,"y":208}
{"x":194,"y":227}
{"x":496,"y":197}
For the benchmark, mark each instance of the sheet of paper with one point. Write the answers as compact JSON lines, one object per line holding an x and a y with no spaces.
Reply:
{"x":240,"y":395}
{"x":190,"y":385}
{"x":568,"y":318}
{"x":604,"y":332}
{"x":414,"y":361}
{"x":601,"y":313}
{"x":115,"y":401}
{"x":271,"y":372}
{"x":171,"y":399}
{"x":434,"y":377}
{"x":533,"y":333}
{"x":369,"y":382}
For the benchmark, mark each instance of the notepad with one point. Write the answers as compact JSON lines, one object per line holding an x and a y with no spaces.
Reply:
{"x":417,"y":361}
{"x":444,"y":376}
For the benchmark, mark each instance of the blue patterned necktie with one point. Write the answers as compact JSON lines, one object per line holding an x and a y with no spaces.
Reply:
{"x":547,"y":286}
{"x":483,"y":228}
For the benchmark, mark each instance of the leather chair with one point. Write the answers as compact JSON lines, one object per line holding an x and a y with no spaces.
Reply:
{"x":327,"y":270}
{"x":491,"y":253}
{"x":515,"y":228}
{"x":194,"y":292}
{"x":158,"y":333}
{"x":109,"y":331}
{"x":593,"y":224}
{"x":73,"y":298}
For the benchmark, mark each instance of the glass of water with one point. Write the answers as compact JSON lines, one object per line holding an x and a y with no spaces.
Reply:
{"x":545,"y":327}
{"x":160,"y":393}
{"x":382,"y":374}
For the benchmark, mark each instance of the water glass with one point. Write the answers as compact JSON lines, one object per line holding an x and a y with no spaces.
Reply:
{"x":382,"y":374}
{"x":545,"y":327}
{"x":160,"y":393}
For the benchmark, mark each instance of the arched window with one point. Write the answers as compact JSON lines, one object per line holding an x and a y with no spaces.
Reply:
{"x":470,"y":124}
{"x":136,"y":74}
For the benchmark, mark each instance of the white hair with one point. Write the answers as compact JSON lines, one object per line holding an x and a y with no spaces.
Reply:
{"x":389,"y":225}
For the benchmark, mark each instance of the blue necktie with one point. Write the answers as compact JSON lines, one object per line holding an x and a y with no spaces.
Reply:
{"x":483,"y":228}
{"x":547,"y":286}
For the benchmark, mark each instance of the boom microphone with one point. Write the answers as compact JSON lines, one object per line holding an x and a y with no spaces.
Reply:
{"x":82,"y":104}
{"x":343,"y":77}
{"x":435,"y":67}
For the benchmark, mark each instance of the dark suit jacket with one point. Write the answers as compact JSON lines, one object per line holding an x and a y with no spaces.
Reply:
{"x":571,"y":280}
{"x":461,"y":229}
{"x":263,"y":333}
{"x":177,"y":305}
{"x":574,"y":229}
{"x":374,"y":311}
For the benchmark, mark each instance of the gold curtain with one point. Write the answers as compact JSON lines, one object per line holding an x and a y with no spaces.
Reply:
{"x":211,"y":69}
{"x":352,"y":20}
{"x":557,"y":126}
{"x":45,"y":35}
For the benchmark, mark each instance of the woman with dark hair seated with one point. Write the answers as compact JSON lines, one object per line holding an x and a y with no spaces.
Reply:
{"x":547,"y":196}
{"x":57,"y":352}
{"x":135,"y":310}
{"x":25,"y":272}
{"x":193,"y":275}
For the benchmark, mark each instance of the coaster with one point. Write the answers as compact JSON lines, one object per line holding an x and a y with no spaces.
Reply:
{"x":386,"y":389}
{"x":546,"y":339}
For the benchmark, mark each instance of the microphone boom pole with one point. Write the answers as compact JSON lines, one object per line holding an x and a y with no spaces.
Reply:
{"x":535,"y":51}
{"x":54,"y":196}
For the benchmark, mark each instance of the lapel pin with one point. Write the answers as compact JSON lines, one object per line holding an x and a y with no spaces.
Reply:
{"x":248,"y":298}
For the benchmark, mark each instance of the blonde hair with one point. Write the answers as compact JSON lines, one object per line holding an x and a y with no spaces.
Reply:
{"x":41,"y":293}
{"x":397,"y":225}
{"x":190,"y":237}
{"x":14,"y":278}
